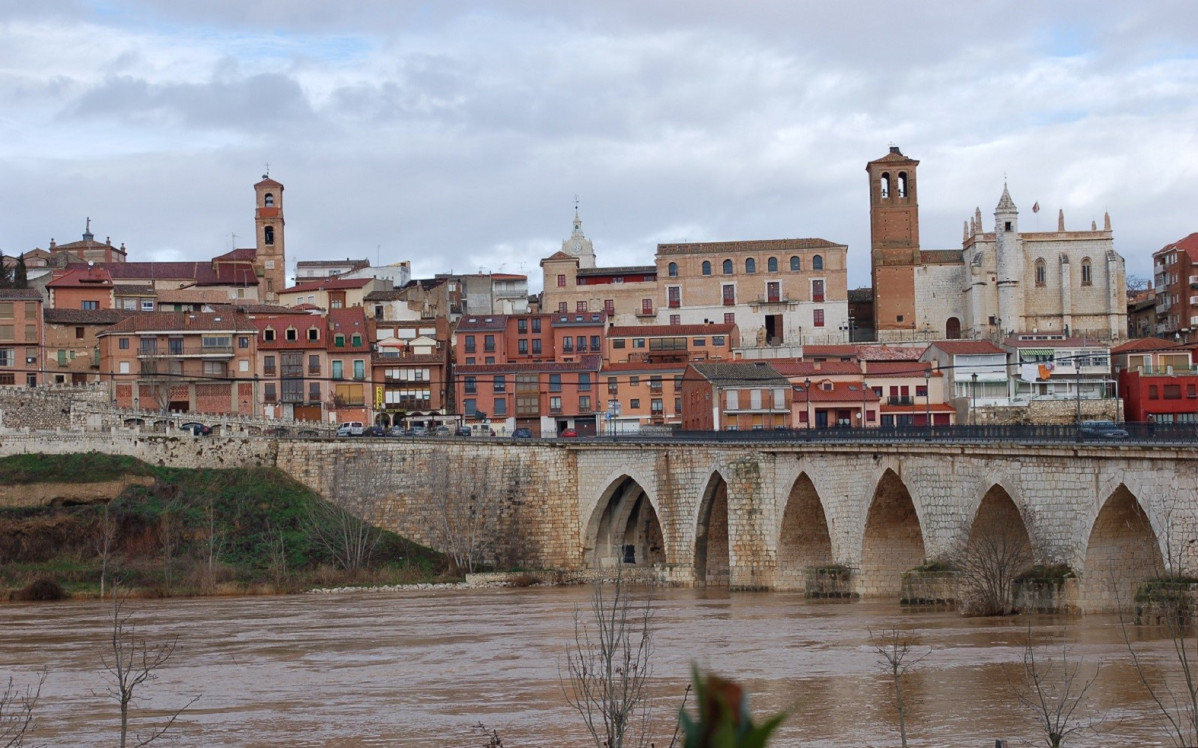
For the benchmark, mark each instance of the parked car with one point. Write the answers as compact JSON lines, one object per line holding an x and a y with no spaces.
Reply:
{"x":196,"y":428}
{"x":397,"y":431}
{"x":522,"y":434}
{"x":462,"y":431}
{"x":417,"y":431}
{"x":374,"y":431}
{"x":442,"y":431}
{"x":568,"y":434}
{"x":1102,"y":430}
{"x":350,"y":428}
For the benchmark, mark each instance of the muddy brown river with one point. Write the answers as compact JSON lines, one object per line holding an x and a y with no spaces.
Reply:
{"x":422,"y":668}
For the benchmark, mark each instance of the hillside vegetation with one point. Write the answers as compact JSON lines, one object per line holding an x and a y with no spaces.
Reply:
{"x":191,"y":532}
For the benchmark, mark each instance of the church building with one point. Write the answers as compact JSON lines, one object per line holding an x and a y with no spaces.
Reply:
{"x":1002,"y":280}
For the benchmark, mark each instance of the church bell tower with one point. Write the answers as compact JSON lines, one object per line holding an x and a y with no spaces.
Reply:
{"x":271,"y":259}
{"x":894,"y":240}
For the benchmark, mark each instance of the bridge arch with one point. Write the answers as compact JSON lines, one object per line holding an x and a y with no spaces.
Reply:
{"x":803,"y":537}
{"x":713,"y":567}
{"x":1122,"y":551}
{"x":624,"y":528}
{"x":893,"y":539}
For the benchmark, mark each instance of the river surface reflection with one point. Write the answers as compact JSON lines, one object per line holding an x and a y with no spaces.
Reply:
{"x":422,"y":668}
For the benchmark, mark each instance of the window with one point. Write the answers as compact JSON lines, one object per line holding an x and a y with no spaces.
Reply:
{"x":638,"y":342}
{"x":1041,"y":273}
{"x":655,"y":406}
{"x":268,"y":365}
{"x":675,"y":319}
{"x":727,"y":267}
{"x":771,"y":265}
{"x":522,"y":346}
{"x":817,"y":290}
{"x":269,"y":200}
{"x":561,"y":280}
{"x":269,"y":335}
{"x":595,"y":343}
{"x":268,"y":392}
{"x":555,"y":382}
{"x":618,"y":343}
{"x":268,"y":235}
{"x":470,"y":406}
{"x":1087,"y":272}
{"x":292,"y":334}
{"x":536,"y":324}
{"x":567,"y":344}
{"x":884,"y":183}
{"x":149,"y":346}
{"x":214,"y":368}
{"x":674,"y":296}
{"x":706,"y":267}
{"x":817,"y":263}
{"x":89,"y":305}
{"x":817,"y":317}
{"x":313,"y":334}
{"x":563,"y":306}
{"x":147,"y":305}
{"x":773,"y":292}
{"x":584,"y":404}
{"x":123,"y":344}
{"x":584,"y":382}
{"x":337,"y":370}
{"x":655,"y":383}
{"x":672,"y":270}
{"x":356,"y":340}
{"x":314,"y":365}
{"x":750,"y":266}
{"x":796,"y":264}
{"x":470,"y":346}
{"x":359,"y":369}
{"x":609,"y":306}
{"x":536,"y":346}
{"x":313,"y":392}
{"x":500,"y":406}
{"x":580,"y":306}
{"x":634,"y":381}
{"x":634,"y":403}
{"x":488,"y":343}
{"x":717,"y":340}
{"x":731,"y":400}
{"x":729,"y":294}
{"x":582,"y":343}
{"x":729,"y":318}
{"x":646,"y":306}
{"x":470,"y":385}
{"x":613,"y":386}
{"x":338,"y":341}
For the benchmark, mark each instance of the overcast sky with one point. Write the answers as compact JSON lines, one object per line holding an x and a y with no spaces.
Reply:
{"x":457,"y":134}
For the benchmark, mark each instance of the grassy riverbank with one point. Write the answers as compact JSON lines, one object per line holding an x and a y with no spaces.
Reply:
{"x":170,"y":532}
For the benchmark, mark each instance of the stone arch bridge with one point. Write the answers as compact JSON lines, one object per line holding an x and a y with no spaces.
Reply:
{"x":760,"y":515}
{"x":744,"y":515}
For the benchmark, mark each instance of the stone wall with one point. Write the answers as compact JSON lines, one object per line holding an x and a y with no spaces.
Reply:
{"x":46,"y":407}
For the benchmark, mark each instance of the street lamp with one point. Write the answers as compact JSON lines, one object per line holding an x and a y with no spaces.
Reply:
{"x":1077,"y":385}
{"x":927,"y":398}
{"x":973,"y":410}
{"x":807,"y":389}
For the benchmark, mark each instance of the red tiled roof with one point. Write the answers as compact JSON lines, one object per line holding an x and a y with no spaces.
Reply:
{"x":968,"y":347}
{"x":850,"y":392}
{"x":242,"y":254}
{"x":1189,"y":245}
{"x":559,"y":255}
{"x":199,"y":273}
{"x":85,"y":277}
{"x":652,"y":331}
{"x":482,"y":322}
{"x":812,"y":369}
{"x":183,"y":322}
{"x":898,"y":369}
{"x":103,"y":317}
{"x":329,"y":284}
{"x":1149,"y":344}
{"x":268,"y":182}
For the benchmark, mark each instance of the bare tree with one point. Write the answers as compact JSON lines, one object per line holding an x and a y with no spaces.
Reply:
{"x":277,"y":544}
{"x":896,"y":658}
{"x":987,"y":565}
{"x":105,"y":536}
{"x":214,"y":543}
{"x":609,"y":665}
{"x":348,"y":538}
{"x":16,"y":711}
{"x":131,"y":663}
{"x":168,"y":536}
{"x":468,"y":503}
{"x":1054,"y":691}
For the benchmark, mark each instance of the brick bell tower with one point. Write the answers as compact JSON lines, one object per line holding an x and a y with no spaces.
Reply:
{"x":894,"y":240}
{"x":271,"y":259}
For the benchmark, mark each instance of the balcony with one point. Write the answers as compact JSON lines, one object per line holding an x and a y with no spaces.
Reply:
{"x":194,"y":350}
{"x":771,"y":300}
{"x":903,"y":400}
{"x":1194,"y":281}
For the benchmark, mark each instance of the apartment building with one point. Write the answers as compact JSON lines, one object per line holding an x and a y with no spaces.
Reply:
{"x":20,"y":337}
{"x":1175,"y":281}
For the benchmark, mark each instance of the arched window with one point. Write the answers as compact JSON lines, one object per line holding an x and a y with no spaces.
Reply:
{"x":706,"y":267}
{"x":1041,"y":273}
{"x":902,"y":184}
{"x":750,"y":266}
{"x":796,"y":264}
{"x":771,"y":265}
{"x":817,"y":263}
{"x":1087,"y":272}
{"x":268,"y":234}
{"x":727,"y":267}
{"x":672,"y":269}
{"x":885,"y":182}
{"x":269,"y":200}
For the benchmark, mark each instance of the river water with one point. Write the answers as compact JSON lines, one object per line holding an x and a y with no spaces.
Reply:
{"x":422,"y":668}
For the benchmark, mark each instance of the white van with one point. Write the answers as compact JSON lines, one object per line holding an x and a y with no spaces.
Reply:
{"x":350,"y":428}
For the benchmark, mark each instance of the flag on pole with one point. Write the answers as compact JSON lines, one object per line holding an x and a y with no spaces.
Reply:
{"x":1036,"y":207}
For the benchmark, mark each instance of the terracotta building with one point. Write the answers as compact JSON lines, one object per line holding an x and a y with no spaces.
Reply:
{"x":411,"y":366}
{"x":1175,"y":281}
{"x":82,"y":288}
{"x":292,"y":366}
{"x":20,"y":337}
{"x":72,"y":343}
{"x":1157,"y":381}
{"x":182,"y":362}
{"x":737,"y":396}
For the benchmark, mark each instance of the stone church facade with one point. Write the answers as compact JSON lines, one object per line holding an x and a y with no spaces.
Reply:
{"x":1002,"y":281}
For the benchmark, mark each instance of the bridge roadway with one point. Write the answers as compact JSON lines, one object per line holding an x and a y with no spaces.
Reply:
{"x":748,"y":514}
